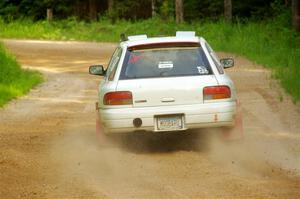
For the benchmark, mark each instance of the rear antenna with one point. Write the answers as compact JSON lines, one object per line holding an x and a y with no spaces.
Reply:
{"x":123,"y":37}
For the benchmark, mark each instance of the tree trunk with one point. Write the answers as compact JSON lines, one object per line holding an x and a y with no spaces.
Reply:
{"x":179,"y":11}
{"x":228,"y":10}
{"x":49,"y":14}
{"x":111,"y":12}
{"x":153,"y":8}
{"x":110,"y":5}
{"x":93,"y":10}
{"x":296,"y":15}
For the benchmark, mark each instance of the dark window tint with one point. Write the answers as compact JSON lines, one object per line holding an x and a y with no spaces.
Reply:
{"x":165,"y":62}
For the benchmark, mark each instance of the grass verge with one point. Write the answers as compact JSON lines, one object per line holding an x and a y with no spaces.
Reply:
{"x":268,"y":43}
{"x":14,"y":81}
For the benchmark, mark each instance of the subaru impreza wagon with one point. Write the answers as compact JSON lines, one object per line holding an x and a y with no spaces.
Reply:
{"x":164,"y":84}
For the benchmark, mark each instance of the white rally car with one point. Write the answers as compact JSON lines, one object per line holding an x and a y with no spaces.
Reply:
{"x":164,"y":84}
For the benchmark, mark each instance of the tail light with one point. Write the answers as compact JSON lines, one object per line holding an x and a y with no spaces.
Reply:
{"x":216,"y":92}
{"x":118,"y":98}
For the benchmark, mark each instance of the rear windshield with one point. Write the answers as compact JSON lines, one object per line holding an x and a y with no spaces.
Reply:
{"x":165,"y":61}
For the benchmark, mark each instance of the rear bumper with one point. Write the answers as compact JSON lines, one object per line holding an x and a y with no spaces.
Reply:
{"x":195,"y":116}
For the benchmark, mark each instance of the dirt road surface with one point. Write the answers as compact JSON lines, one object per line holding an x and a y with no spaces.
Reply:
{"x":48,"y":146}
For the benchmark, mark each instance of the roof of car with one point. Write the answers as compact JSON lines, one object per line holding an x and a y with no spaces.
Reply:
{"x":143,"y":39}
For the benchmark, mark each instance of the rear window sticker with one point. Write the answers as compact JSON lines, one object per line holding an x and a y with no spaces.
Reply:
{"x":165,"y":64}
{"x":202,"y":70}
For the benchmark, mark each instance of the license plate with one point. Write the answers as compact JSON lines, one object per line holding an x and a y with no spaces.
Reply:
{"x":170,"y":122}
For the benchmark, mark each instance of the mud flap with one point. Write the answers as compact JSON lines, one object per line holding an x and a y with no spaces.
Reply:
{"x":236,"y":132}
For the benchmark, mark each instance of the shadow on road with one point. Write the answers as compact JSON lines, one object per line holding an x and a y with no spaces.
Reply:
{"x":145,"y":142}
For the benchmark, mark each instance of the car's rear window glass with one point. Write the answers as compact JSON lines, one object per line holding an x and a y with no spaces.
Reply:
{"x":165,"y":61}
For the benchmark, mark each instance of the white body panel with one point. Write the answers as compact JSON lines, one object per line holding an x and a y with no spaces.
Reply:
{"x":167,"y":91}
{"x":153,"y":97}
{"x":120,"y":120}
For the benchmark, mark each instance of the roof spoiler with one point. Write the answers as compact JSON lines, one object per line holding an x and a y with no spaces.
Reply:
{"x":143,"y":37}
{"x":137,"y":37}
{"x":185,"y":34}
{"x":132,"y":38}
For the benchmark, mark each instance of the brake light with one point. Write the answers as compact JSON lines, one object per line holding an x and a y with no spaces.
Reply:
{"x":118,"y":98}
{"x":216,"y":92}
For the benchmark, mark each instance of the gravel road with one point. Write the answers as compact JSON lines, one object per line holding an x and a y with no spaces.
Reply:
{"x":48,"y":146}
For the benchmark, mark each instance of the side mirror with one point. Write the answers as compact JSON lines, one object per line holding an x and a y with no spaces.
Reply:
{"x":97,"y":70}
{"x":227,"y":62}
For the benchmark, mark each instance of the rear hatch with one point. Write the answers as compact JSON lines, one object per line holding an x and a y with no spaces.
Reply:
{"x":161,"y":74}
{"x":167,"y":91}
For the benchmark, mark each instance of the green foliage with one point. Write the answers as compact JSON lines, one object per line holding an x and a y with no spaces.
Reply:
{"x":265,"y":43}
{"x":14,"y":81}
{"x":132,"y":9}
{"x":204,"y":9}
{"x":214,"y":9}
{"x":135,"y":10}
{"x":167,"y":10}
{"x":281,"y":14}
{"x":255,"y":9}
{"x":11,"y":10}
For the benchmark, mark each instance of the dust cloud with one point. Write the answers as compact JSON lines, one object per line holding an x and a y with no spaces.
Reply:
{"x":125,"y":166}
{"x":258,"y":155}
